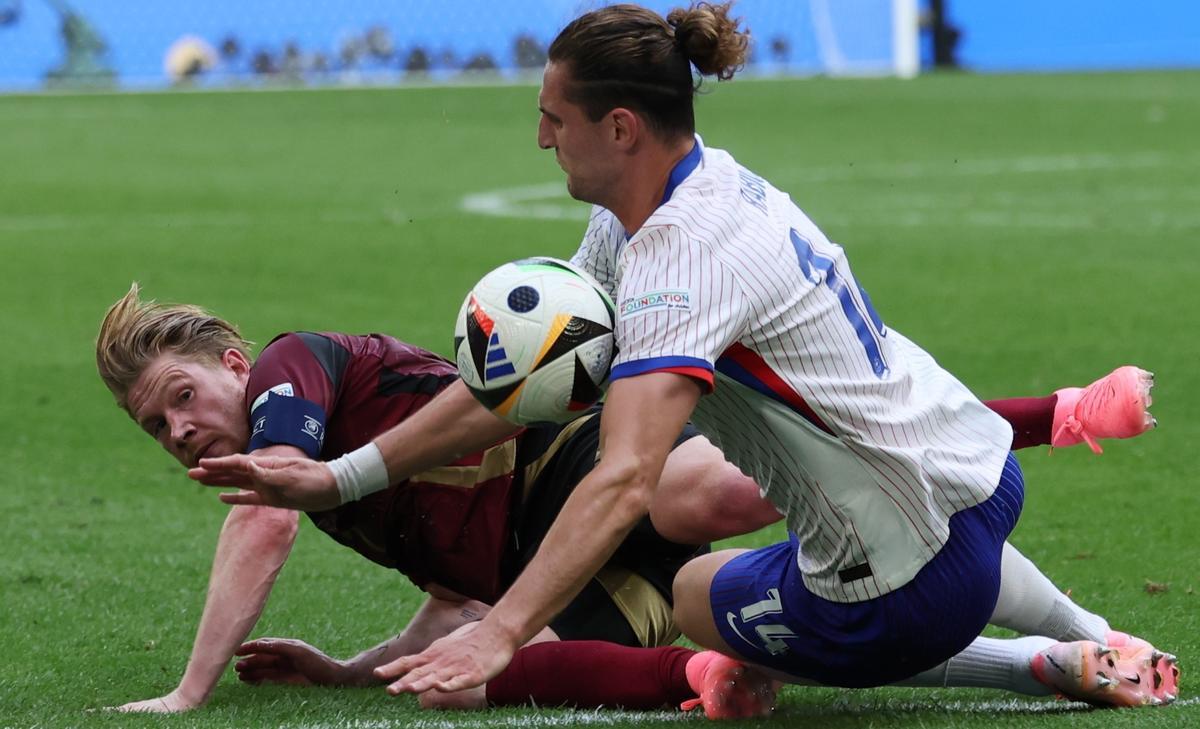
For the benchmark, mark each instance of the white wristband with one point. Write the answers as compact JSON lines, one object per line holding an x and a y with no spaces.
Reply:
{"x":359,"y":473}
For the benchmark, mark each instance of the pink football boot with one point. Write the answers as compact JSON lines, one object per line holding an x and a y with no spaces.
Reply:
{"x":728,"y":689}
{"x":1127,"y":672}
{"x":1113,"y":406}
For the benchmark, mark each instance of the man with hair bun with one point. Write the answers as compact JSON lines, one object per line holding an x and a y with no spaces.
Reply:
{"x":897,"y":484}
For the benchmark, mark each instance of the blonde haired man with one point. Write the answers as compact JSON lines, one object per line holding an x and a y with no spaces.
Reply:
{"x":461,"y":533}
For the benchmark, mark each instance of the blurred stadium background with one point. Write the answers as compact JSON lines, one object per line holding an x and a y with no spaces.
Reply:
{"x":138,"y":44}
{"x":146,"y":43}
{"x":1030,"y":229}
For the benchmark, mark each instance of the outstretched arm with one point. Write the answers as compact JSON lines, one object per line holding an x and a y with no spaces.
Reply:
{"x":450,"y":426}
{"x":284,"y":660}
{"x":641,"y":420}
{"x":254,"y":544}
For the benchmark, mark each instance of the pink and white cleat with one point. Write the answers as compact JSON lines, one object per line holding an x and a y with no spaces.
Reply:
{"x":1127,"y":672}
{"x":727,"y":688}
{"x":1113,"y":406}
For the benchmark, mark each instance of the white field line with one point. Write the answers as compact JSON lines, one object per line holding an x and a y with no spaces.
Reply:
{"x":1127,"y":195}
{"x":603,"y":718}
{"x":1145,"y":221}
{"x":549,"y":201}
{"x":988,"y":167}
{"x":533,"y":720}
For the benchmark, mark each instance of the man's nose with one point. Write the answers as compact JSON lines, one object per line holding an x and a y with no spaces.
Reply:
{"x":545,"y":138}
{"x":182,"y":431}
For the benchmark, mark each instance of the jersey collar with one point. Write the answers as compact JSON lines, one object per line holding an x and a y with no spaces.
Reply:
{"x":679,"y":173}
{"x":683,"y":168}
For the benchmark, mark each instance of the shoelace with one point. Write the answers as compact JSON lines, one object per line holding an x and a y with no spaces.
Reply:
{"x":1073,"y":426}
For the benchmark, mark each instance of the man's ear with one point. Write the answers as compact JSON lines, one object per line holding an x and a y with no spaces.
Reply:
{"x":236,"y":361}
{"x":626,"y":127}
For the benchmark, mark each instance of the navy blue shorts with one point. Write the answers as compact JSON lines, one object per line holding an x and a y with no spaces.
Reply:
{"x":873,"y":642}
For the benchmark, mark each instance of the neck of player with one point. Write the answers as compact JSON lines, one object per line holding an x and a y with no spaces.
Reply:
{"x":645,"y":181}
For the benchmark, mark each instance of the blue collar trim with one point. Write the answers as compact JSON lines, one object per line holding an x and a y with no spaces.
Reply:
{"x":679,"y":173}
{"x":682,"y":169}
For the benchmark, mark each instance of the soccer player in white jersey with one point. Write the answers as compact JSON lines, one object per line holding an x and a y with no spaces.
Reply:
{"x":736,"y":311}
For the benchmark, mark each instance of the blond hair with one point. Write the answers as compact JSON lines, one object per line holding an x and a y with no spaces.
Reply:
{"x":136,"y":332}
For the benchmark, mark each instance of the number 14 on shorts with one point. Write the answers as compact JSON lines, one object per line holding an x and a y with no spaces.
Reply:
{"x":771,"y":636}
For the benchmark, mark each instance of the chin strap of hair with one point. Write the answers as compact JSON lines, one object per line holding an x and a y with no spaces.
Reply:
{"x":359,"y":472}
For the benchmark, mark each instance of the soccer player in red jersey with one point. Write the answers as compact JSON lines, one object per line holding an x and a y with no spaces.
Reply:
{"x":460,"y":532}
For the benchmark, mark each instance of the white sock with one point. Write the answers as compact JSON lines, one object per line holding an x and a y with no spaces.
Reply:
{"x":1029,"y":603}
{"x":990,"y":663}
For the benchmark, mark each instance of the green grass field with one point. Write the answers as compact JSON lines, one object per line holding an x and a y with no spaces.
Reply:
{"x":1029,"y":231}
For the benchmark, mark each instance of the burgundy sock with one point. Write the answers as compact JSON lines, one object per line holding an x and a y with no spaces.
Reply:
{"x":587,"y":674}
{"x":1031,"y":418}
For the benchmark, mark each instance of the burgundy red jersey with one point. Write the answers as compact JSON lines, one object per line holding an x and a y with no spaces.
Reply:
{"x":331,"y":393}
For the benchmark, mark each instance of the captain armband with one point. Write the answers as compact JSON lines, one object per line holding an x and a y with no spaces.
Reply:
{"x":284,"y":420}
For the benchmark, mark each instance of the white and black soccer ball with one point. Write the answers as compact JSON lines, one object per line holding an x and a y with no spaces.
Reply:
{"x":534,"y":341}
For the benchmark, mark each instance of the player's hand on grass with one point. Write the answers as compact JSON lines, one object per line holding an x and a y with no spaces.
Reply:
{"x":290,"y":483}
{"x":171,"y":703}
{"x":284,"y":660}
{"x":470,"y":656}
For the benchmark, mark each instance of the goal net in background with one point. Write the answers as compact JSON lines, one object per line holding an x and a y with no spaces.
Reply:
{"x":138,"y":44}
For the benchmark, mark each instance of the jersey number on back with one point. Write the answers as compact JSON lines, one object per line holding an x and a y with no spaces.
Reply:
{"x":862,"y":317}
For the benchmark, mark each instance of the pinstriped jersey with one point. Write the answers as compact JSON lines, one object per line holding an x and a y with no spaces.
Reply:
{"x":851,"y":430}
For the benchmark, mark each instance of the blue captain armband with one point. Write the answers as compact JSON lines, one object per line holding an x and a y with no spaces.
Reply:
{"x":284,"y":420}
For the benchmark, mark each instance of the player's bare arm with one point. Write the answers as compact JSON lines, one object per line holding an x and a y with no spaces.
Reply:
{"x":291,"y":661}
{"x":254,"y":544}
{"x":642,"y":418}
{"x":451,"y":425}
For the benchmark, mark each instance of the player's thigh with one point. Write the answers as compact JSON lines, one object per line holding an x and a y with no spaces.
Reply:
{"x":629,"y":600}
{"x":702,"y":497}
{"x":621,"y":604}
{"x":693,"y":604}
{"x":694,"y":610}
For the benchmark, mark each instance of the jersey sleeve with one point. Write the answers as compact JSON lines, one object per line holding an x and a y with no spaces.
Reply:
{"x":289,"y":396}
{"x":595,"y":254}
{"x":678,"y":307}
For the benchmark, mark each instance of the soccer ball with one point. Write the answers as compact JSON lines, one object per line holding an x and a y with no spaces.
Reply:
{"x":534,"y":341}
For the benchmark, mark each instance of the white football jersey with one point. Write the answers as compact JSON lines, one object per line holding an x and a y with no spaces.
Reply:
{"x":851,"y":430}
